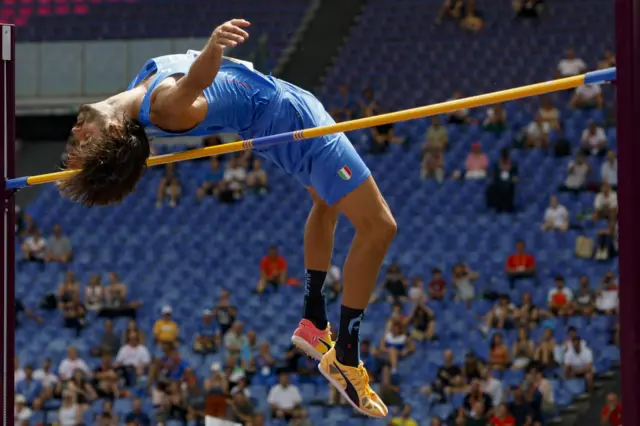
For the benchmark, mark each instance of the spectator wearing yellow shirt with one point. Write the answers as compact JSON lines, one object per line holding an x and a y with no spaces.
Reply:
{"x":165,"y":330}
{"x":405,"y":418}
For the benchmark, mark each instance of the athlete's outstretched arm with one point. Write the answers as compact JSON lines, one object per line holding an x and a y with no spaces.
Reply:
{"x":176,"y":99}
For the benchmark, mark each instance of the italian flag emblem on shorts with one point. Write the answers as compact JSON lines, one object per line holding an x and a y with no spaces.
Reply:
{"x":345,"y":173}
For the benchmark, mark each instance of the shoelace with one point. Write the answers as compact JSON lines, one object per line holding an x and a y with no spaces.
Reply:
{"x":362,"y":372}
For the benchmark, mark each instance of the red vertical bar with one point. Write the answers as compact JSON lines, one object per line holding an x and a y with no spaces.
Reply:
{"x":7,"y":269}
{"x":628,"y":108}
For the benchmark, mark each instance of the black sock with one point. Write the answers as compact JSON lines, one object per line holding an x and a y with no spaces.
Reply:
{"x":315,"y":307}
{"x":348,"y":344}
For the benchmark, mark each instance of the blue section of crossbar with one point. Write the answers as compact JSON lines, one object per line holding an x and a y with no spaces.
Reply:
{"x":278,"y":139}
{"x":17,"y":183}
{"x":600,"y":76}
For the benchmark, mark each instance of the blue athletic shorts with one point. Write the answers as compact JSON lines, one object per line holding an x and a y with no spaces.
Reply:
{"x":329,"y":164}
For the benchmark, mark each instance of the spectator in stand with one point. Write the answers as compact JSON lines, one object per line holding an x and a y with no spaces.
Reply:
{"x":584,"y":298}
{"x":448,"y":380}
{"x":546,"y":352}
{"x":472,"y":368}
{"x":594,"y":140}
{"x":609,"y":170}
{"x":133,"y":358}
{"x":367,"y":103}
{"x":477,"y":406}
{"x":437,"y":286}
{"x":460,"y":116}
{"x":235,"y":339}
{"x":397,"y":316}
{"x":556,"y":216}
{"x":395,"y":285}
{"x":612,"y":411}
{"x":234,"y":180}
{"x":257,"y":178}
{"x":524,"y":350}
{"x":45,"y":376}
{"x":607,"y":298}
{"x":94,"y":294}
{"x":550,"y":114}
{"x":501,"y":316}
{"x":72,"y":363}
{"x":437,"y":136}
{"x":21,"y":412}
{"x":82,"y":388}
{"x":578,"y":362}
{"x":520,"y":408}
{"x":29,"y":387}
{"x":284,"y":398}
{"x":106,"y":378}
{"x":333,"y":284}
{"x":422,"y":322}
{"x":34,"y":248}
{"x":528,"y":314}
{"x":586,"y":97}
{"x":502,"y":417}
{"x":605,"y":204}
{"x":463,"y":278}
{"x":499,"y":357}
{"x":416,"y":291}
{"x":241,"y":409}
{"x":396,"y":345}
{"x":571,"y":65}
{"x":607,"y":241}
{"x":432,"y":164}
{"x":137,"y":417}
{"x":207,"y":339}
{"x":382,"y":136}
{"x":212,"y":179}
{"x":115,"y":299}
{"x":109,"y":343}
{"x":528,"y":8}
{"x":74,"y":314}
{"x":225,"y":312}
{"x":577,"y":175}
{"x":608,"y":60}
{"x":492,"y":387}
{"x":58,"y":247}
{"x":501,"y":191}
{"x":496,"y":119}
{"x":560,"y":299}
{"x":169,"y":186}
{"x":343,"y":106}
{"x":68,"y":290}
{"x":404,"y":417}
{"x":273,"y":270}
{"x":476,"y":164}
{"x":536,"y":379}
{"x":450,"y":9}
{"x":536,"y":134}
{"x":520,"y":264}
{"x":265,"y":362}
{"x":165,"y":329}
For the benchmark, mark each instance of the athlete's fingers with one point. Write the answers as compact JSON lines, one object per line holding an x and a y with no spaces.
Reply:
{"x":230,"y":36}
{"x":226,"y":42}
{"x":240,"y":22}
{"x":236,"y":30}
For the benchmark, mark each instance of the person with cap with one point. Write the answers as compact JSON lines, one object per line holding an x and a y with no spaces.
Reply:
{"x":207,"y":338}
{"x":21,"y":412}
{"x":165,"y":329}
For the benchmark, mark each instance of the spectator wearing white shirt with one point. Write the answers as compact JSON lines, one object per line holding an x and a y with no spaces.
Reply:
{"x":492,"y":387}
{"x":571,"y":65}
{"x":233,"y":180}
{"x":588,"y":96}
{"x":45,"y":376}
{"x":577,"y":174}
{"x":609,"y":170}
{"x":72,"y":363}
{"x":21,"y":412}
{"x":133,"y":355}
{"x":18,"y":373}
{"x":594,"y":140}
{"x":58,"y":247}
{"x":605,"y":204}
{"x":536,"y":133}
{"x":607,"y":295}
{"x":560,"y":298}
{"x":34,"y":247}
{"x":284,"y":398}
{"x":556,"y":216}
{"x":578,"y":362}
{"x":333,"y":283}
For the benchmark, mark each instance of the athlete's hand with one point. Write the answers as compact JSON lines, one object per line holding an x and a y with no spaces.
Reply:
{"x":230,"y":34}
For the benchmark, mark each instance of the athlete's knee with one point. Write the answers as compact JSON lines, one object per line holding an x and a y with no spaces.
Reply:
{"x":378,"y":226}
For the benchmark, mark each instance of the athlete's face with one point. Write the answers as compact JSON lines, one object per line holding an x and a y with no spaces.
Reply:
{"x":88,"y":124}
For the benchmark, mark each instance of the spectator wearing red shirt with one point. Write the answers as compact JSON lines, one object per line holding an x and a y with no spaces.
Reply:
{"x":273,"y":270}
{"x":612,"y":412}
{"x":502,"y":417}
{"x":437,"y":285}
{"x":520,"y":264}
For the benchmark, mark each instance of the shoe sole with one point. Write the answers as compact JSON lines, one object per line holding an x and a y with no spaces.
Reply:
{"x":306,"y":347}
{"x":339,"y":388}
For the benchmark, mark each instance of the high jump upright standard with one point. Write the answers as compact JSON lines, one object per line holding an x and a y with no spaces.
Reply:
{"x":7,"y":252}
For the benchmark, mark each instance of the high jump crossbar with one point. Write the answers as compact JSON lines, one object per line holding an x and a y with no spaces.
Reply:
{"x":594,"y":77}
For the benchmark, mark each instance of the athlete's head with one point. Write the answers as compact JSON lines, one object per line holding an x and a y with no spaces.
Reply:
{"x":111,"y":150}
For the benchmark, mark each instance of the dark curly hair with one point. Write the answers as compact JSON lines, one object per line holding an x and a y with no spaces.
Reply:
{"x":110,"y":165}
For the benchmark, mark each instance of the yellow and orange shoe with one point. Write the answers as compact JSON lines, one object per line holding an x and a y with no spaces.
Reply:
{"x":353,"y":384}
{"x":311,"y":340}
